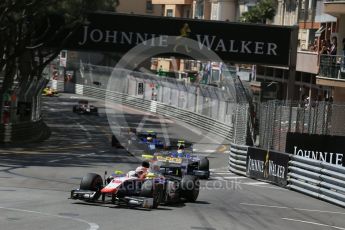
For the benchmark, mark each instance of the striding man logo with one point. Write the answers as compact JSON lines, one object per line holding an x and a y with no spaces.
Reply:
{"x":184,"y":33}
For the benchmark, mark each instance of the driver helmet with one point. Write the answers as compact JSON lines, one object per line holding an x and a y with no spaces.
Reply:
{"x":149,"y":138}
{"x":140,"y":170}
{"x":145,"y":164}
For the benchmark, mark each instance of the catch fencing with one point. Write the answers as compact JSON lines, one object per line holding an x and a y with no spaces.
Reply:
{"x":277,"y":118}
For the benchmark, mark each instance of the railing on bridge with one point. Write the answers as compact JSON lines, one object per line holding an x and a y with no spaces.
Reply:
{"x":332,"y":66}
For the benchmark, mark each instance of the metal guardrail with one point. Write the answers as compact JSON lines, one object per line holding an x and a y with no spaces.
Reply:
{"x":318,"y":179}
{"x":238,"y":159}
{"x":206,"y":123}
{"x":332,"y":66}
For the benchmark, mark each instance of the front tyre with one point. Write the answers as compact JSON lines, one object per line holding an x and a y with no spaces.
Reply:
{"x":92,"y":182}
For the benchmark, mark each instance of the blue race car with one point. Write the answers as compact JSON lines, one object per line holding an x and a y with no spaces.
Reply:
{"x":189,"y":162}
{"x":149,"y":138}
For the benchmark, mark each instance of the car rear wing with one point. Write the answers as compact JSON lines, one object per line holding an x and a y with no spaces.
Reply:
{"x":175,"y":145}
{"x":83,"y":102}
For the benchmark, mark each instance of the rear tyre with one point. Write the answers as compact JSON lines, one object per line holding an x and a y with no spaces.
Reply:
{"x":190,"y":188}
{"x":151,"y":190}
{"x":204,"y":165}
{"x":93,"y":182}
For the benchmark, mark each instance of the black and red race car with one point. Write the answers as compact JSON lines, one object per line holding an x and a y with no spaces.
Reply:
{"x":83,"y":107}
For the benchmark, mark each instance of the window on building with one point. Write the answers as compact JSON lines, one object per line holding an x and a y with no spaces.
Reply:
{"x":187,"y":13}
{"x":140,"y":88}
{"x":149,"y":6}
{"x":187,"y":65}
{"x":215,"y":75}
{"x":269,"y":72}
{"x":250,"y":6}
{"x":278,"y":73}
{"x":260,"y":70}
{"x":63,"y":54}
{"x":199,"y":9}
{"x":214,"y":11}
{"x":170,"y":13}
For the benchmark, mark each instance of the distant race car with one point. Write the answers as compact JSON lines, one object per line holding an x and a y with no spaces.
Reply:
{"x":150,"y":139}
{"x":190,"y":162}
{"x":149,"y":192}
{"x":146,"y":141}
{"x":50,"y":92}
{"x":84,"y":107}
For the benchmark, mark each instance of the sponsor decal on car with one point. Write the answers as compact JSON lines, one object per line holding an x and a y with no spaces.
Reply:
{"x":169,"y":159}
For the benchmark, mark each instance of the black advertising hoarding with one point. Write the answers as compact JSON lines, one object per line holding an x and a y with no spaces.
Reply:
{"x":267,"y":165}
{"x":326,"y":148}
{"x":237,"y":42}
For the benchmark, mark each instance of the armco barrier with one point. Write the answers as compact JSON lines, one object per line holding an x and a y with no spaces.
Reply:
{"x":220,"y":129}
{"x":317,"y":179}
{"x":238,"y":159}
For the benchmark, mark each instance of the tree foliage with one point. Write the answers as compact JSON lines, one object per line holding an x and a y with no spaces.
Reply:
{"x":26,"y":27}
{"x":265,"y":9}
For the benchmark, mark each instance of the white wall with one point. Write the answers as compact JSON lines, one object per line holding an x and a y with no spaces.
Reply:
{"x":223,"y":10}
{"x":227,"y":10}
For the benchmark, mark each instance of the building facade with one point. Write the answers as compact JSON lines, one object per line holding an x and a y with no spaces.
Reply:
{"x":176,"y":8}
{"x":316,"y":27}
{"x":332,"y":65}
{"x":319,"y":76}
{"x":145,"y":7}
